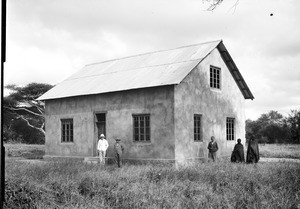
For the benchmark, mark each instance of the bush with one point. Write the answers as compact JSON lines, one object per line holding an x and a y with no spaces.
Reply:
{"x":86,"y":187}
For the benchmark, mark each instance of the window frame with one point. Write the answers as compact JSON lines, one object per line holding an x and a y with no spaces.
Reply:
{"x":67,"y":134}
{"x":146,"y":130}
{"x":230,"y":129}
{"x":198,"y":136}
{"x":215,"y":77}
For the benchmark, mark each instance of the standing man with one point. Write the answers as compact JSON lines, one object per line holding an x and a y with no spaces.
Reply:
{"x":212,"y":149}
{"x":119,"y":148}
{"x":102,"y":147}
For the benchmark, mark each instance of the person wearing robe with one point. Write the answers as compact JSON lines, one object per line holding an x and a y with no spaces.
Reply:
{"x":212,"y":149}
{"x":252,"y":151}
{"x":119,"y":148}
{"x":238,"y":153}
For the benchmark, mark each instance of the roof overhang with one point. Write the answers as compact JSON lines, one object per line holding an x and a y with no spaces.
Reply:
{"x":235,"y":72}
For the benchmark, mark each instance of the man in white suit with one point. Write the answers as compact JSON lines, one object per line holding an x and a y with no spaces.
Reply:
{"x":102,"y":147}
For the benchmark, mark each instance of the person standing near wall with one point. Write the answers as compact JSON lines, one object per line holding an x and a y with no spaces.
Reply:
{"x":102,"y":147}
{"x":238,"y":152}
{"x":212,"y":149}
{"x":119,"y":148}
{"x":252,"y":151}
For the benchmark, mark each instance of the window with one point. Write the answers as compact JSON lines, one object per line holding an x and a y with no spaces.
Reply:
{"x":141,"y":128}
{"x":197,"y":128}
{"x":66,"y":130}
{"x":230,"y":129}
{"x":215,"y":74}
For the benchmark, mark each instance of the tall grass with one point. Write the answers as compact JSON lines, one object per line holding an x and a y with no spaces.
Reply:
{"x":68,"y":184}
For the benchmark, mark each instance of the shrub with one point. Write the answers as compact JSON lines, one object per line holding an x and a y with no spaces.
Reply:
{"x":86,"y":187}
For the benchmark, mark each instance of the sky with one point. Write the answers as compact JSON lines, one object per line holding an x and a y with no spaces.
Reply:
{"x":49,"y":40}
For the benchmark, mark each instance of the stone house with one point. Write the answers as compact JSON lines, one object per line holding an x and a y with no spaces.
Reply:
{"x":164,"y":105}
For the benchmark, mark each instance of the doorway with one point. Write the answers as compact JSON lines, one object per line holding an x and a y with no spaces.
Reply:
{"x":100,"y":128}
{"x":101,"y":124}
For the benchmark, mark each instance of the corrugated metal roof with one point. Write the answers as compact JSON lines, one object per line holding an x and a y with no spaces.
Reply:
{"x":159,"y":68}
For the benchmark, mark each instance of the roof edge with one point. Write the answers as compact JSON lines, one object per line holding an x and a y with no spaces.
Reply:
{"x":136,"y":55}
{"x":235,"y":71}
{"x":219,"y":41}
{"x":108,"y":92}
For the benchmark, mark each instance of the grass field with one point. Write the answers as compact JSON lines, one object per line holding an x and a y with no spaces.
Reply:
{"x":71,"y":184}
{"x":280,"y":151}
{"x":27,"y":151}
{"x":267,"y":150}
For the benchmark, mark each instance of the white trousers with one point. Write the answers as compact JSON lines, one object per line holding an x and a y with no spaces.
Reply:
{"x":102,"y":157}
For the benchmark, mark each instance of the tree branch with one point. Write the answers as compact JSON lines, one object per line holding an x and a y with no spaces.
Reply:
{"x":36,"y":105}
{"x":235,"y":5}
{"x":214,"y":4}
{"x":22,"y":108}
{"x":28,"y":123}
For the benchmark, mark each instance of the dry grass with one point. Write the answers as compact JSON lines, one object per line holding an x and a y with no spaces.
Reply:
{"x":280,"y":150}
{"x":71,"y":184}
{"x":267,"y":150}
{"x":28,"y":151}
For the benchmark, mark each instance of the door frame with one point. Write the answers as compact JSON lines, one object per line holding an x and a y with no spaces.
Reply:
{"x":95,"y":140}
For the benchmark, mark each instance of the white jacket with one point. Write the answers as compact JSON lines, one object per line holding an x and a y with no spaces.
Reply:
{"x":102,"y":145}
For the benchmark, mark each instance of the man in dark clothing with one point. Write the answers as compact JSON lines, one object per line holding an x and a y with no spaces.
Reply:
{"x":252,"y":151}
{"x":119,"y":148}
{"x":238,"y":153}
{"x":212,"y":149}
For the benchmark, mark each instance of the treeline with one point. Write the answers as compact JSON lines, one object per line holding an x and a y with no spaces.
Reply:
{"x":273,"y":127}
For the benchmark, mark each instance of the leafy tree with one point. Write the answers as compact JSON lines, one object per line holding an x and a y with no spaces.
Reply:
{"x":275,"y":133}
{"x":293,"y":122}
{"x":253,"y":129}
{"x":23,"y":113}
{"x":272,"y":117}
{"x":270,"y":127}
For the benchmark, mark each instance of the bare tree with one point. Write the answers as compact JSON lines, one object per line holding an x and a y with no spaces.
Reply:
{"x":215,"y":3}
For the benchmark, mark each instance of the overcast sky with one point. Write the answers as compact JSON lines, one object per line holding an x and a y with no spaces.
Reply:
{"x":48,"y":40}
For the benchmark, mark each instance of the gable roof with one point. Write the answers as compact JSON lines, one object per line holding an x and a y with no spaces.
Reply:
{"x":160,"y":68}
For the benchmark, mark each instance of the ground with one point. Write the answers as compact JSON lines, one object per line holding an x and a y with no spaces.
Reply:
{"x":266,"y":151}
{"x":72,"y":184}
{"x":280,"y":151}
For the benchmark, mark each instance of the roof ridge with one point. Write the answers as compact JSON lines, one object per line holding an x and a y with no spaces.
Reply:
{"x":163,"y":50}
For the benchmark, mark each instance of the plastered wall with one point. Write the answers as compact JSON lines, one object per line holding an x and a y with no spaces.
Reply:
{"x":194,"y":96}
{"x":119,"y":107}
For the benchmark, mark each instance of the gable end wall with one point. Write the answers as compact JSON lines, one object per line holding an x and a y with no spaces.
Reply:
{"x":194,"y":96}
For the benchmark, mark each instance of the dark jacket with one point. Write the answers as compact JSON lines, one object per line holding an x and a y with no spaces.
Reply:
{"x":213,"y":147}
{"x":252,"y":152}
{"x":119,"y":148}
{"x":238,"y":153}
